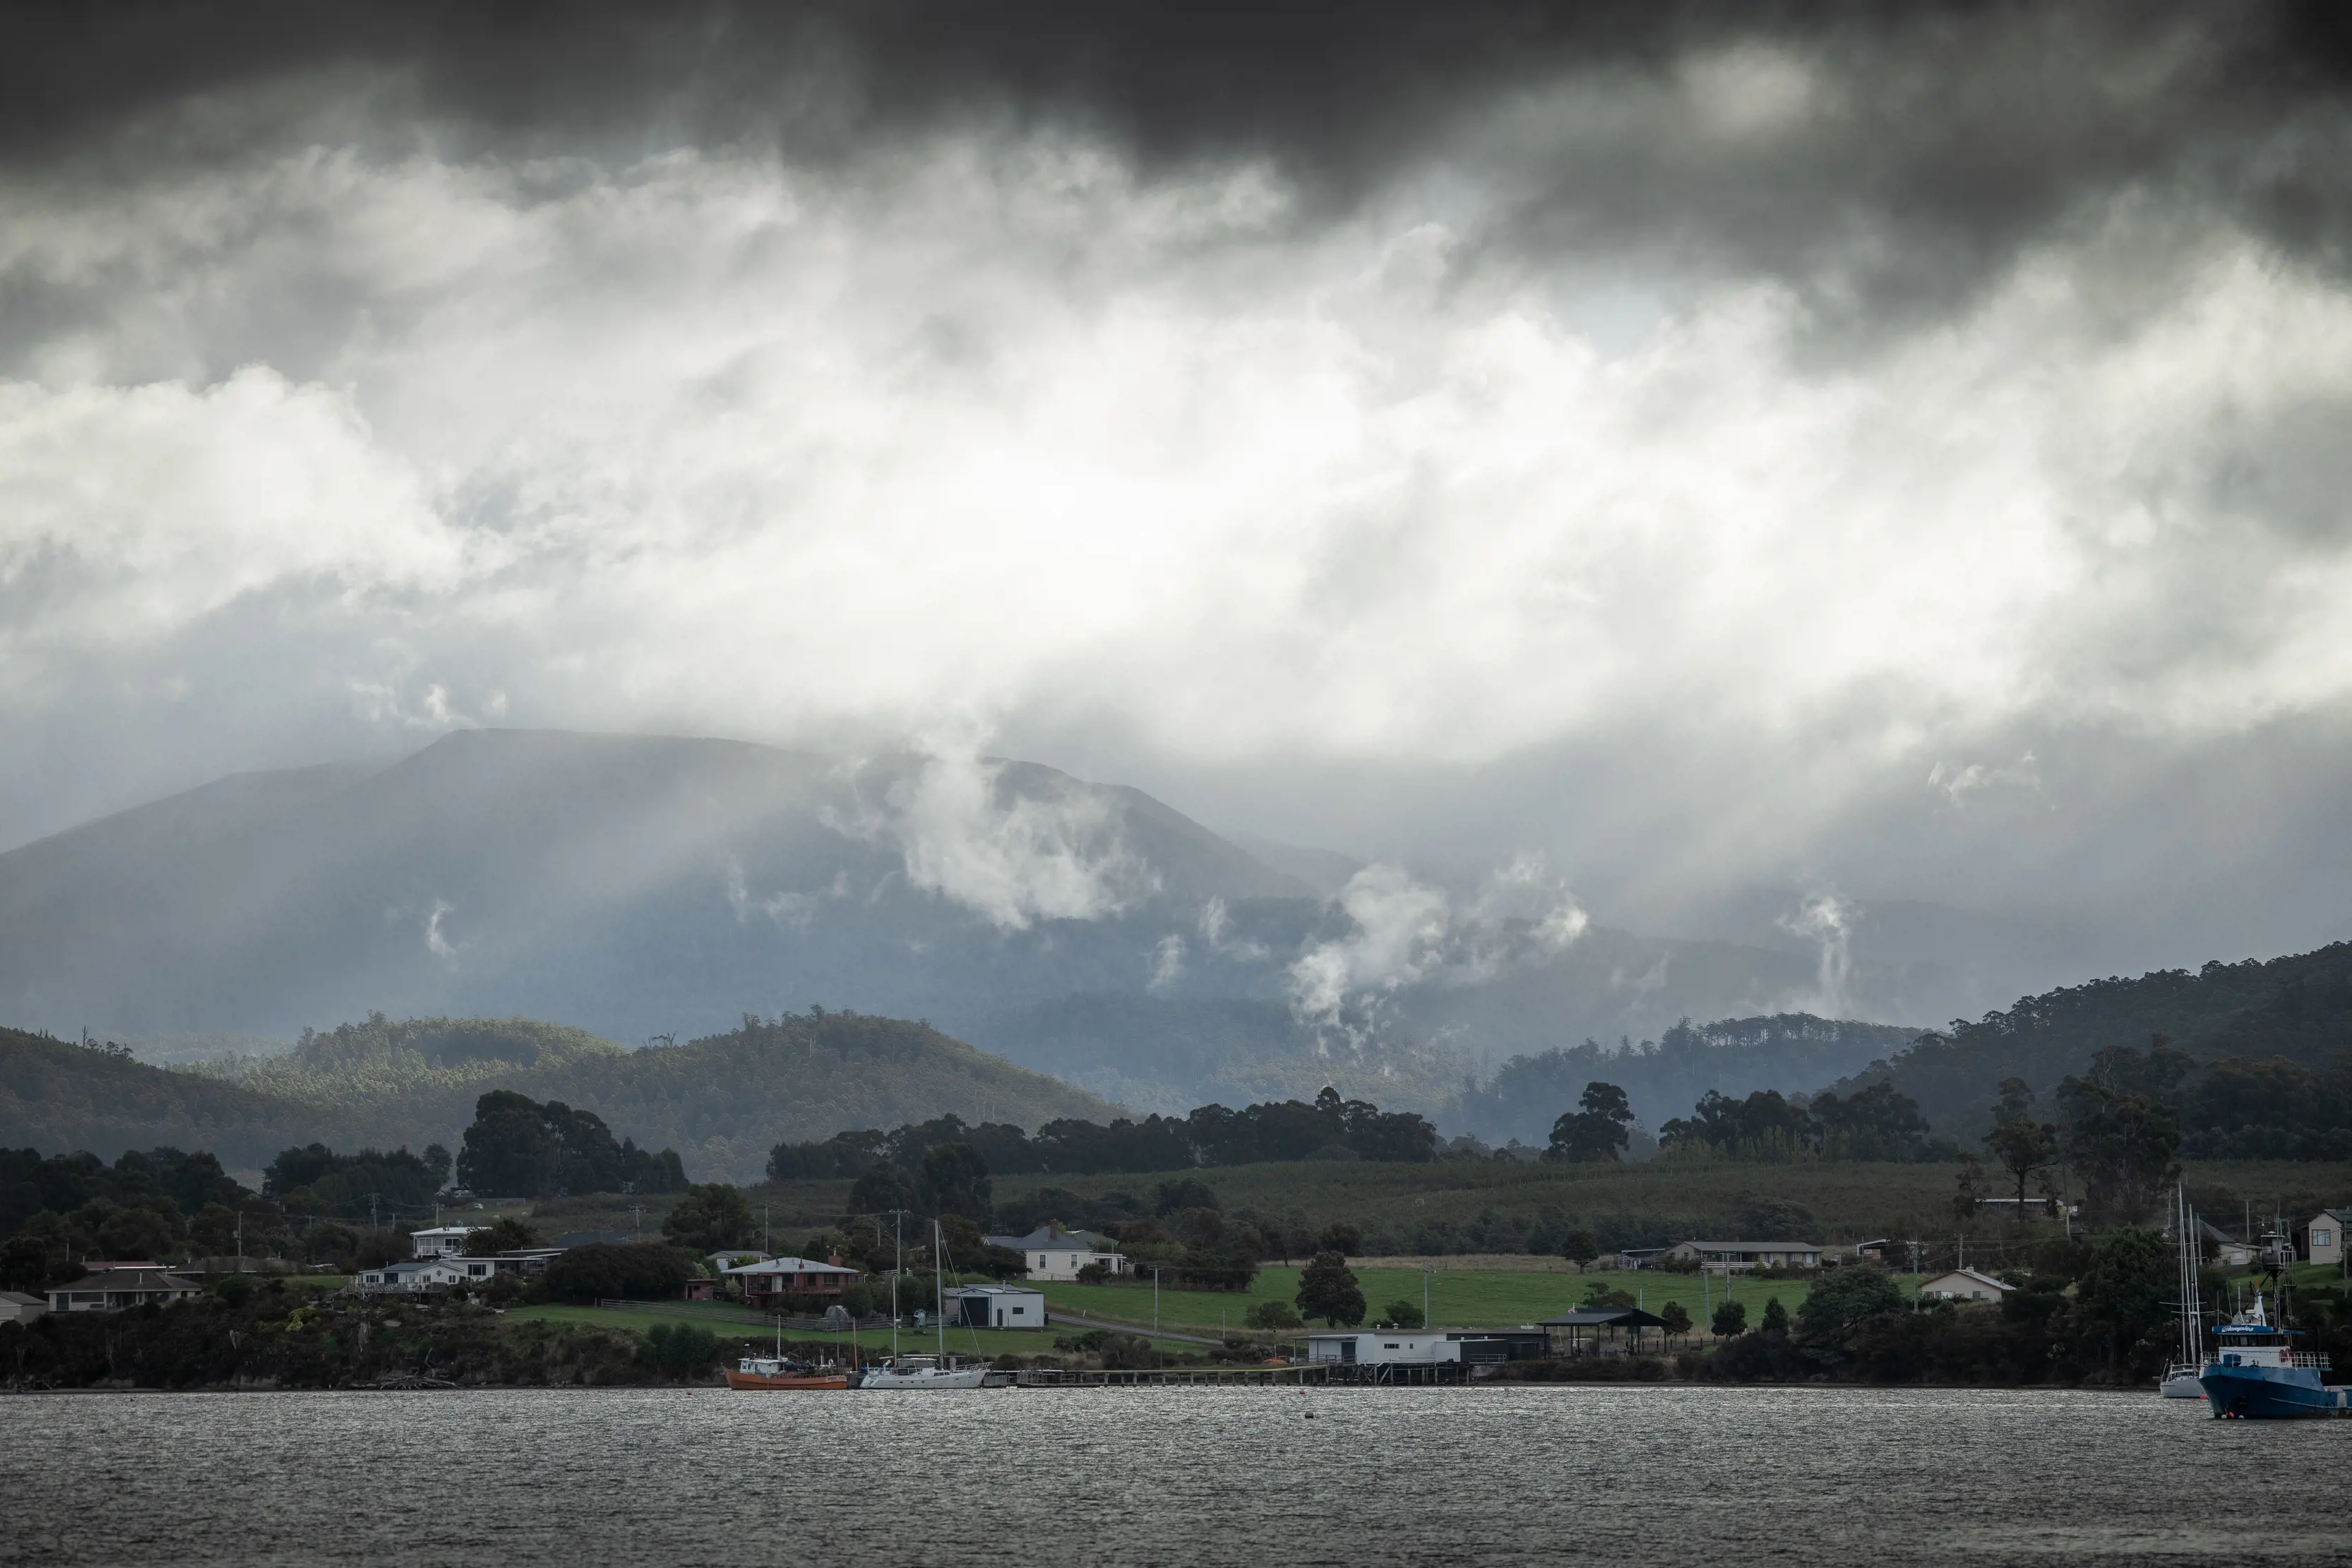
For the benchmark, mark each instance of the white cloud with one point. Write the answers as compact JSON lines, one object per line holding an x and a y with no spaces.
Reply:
{"x":993,"y":425}
{"x":1402,"y":931}
{"x":1014,"y":855}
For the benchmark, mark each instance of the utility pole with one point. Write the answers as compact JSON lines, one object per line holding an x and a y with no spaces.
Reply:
{"x":1424,"y":1299}
{"x":637,"y":1221}
{"x":371,"y":1224}
{"x":763,"y":1229}
{"x":240,"y":1242}
{"x":1155,"y":1298}
{"x":899,"y":1235}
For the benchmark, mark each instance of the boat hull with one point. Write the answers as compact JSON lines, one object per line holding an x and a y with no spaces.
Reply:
{"x":2272,"y":1394}
{"x":787,"y":1380}
{"x":2183,"y":1384}
{"x":935,"y":1382}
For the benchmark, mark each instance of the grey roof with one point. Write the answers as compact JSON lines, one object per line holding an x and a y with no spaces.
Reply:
{"x":1048,"y":1237}
{"x":1755,"y":1246}
{"x":1604,"y":1317}
{"x":993,"y":1290}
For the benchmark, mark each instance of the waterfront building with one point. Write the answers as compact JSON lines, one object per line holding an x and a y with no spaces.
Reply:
{"x":995,"y":1307}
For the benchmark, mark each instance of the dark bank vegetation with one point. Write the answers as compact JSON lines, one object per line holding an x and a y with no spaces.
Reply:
{"x":1328,"y":1128}
{"x":251,"y":1333}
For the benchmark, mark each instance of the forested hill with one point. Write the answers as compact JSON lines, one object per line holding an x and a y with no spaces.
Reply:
{"x":2298,"y":1007}
{"x":1664,"y":1078}
{"x":722,"y":1102}
{"x":59,"y":1096}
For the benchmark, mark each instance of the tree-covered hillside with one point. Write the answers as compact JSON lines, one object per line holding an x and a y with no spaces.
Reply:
{"x":59,"y":1096}
{"x":721,"y":1101}
{"x":1792,"y":1052}
{"x":2299,"y":1007}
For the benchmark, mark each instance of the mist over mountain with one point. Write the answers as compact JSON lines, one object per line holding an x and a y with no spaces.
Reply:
{"x":643,"y":887}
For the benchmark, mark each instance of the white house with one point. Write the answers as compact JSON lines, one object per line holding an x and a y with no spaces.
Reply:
{"x":112,"y":1288}
{"x":1965,"y":1285}
{"x":1054,"y":1253}
{"x":442,"y":1240}
{"x":996,"y":1307}
{"x":1739,"y":1257}
{"x":15,"y":1307}
{"x":421,"y":1274}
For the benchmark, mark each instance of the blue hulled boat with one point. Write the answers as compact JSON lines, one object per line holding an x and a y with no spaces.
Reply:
{"x":2257,"y":1374}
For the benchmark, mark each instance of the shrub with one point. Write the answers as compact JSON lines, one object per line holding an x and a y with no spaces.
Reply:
{"x":1274,"y":1316}
{"x":679,"y":1350}
{"x":644,"y":1270}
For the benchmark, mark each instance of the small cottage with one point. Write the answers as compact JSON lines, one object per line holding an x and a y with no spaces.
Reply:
{"x":1965,"y":1285}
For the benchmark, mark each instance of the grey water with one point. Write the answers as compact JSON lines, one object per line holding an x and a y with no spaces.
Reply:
{"x":1506,"y":1474}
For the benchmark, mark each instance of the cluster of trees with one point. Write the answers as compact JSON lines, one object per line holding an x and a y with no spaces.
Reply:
{"x":2119,"y":1131}
{"x":314,"y":1179}
{"x":1734,"y":1055}
{"x":2097,"y":1311}
{"x":1873,"y":1123}
{"x":518,"y":1147}
{"x":161,"y":1203}
{"x":1330,"y":1127}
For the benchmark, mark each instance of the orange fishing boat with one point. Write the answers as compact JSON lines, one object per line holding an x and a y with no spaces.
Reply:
{"x":769,"y":1372}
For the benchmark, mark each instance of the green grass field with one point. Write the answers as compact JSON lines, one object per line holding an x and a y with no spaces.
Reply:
{"x":1458,"y":1298}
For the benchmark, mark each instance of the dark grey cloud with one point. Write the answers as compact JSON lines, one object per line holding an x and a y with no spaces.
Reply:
{"x":1944,"y":137}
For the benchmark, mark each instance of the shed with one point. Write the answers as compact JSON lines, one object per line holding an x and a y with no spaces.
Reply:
{"x":15,"y":1307}
{"x":1584,"y":1329}
{"x":2321,"y":1238}
{"x":996,"y":1307}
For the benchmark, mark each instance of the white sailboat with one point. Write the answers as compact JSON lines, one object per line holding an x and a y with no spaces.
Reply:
{"x":2181,"y":1380}
{"x":935,"y":1374}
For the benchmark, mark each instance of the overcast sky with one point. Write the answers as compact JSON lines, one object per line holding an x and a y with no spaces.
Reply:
{"x":1876,"y":451}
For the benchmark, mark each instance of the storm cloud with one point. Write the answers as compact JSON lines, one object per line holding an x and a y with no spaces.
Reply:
{"x":1882,"y":456}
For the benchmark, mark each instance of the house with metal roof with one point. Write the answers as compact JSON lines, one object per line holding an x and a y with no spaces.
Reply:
{"x":1740,"y":1257}
{"x":1965,"y":1285}
{"x":767,"y":1282}
{"x":441,"y":1240}
{"x":111,"y":1287}
{"x":1050,"y":1252}
{"x":414,"y":1276}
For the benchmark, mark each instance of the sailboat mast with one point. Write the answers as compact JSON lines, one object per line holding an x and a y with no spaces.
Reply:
{"x":940,"y":1289}
{"x":899,"y":1267}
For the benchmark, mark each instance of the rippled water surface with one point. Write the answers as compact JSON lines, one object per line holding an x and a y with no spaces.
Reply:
{"x":1483,"y":1475}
